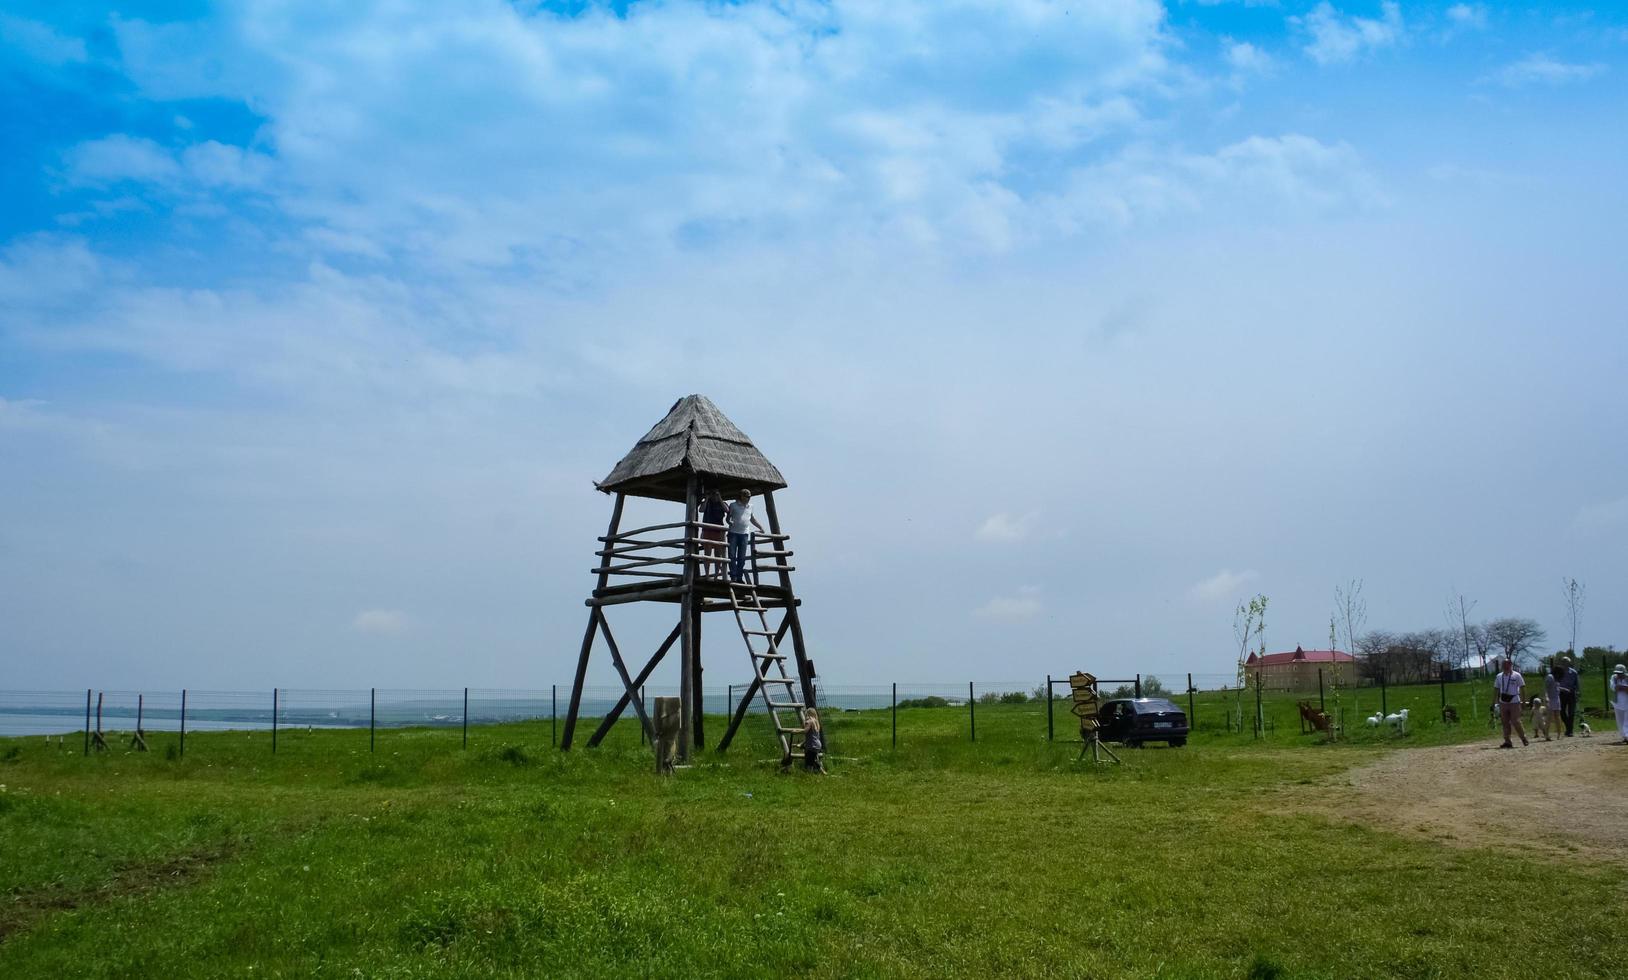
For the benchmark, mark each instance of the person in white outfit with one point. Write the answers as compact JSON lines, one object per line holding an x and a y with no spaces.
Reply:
{"x":1510,"y":686}
{"x":1619,"y":699}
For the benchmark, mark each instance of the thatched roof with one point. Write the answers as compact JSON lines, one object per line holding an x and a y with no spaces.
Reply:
{"x":694,"y":438}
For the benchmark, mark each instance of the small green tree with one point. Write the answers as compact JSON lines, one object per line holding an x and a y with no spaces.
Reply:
{"x":1248,"y":622}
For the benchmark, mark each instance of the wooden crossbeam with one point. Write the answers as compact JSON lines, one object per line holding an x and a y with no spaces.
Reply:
{"x":627,"y":680}
{"x":638,"y":682}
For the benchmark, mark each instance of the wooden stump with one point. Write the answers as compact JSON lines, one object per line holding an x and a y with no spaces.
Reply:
{"x":668,"y":724}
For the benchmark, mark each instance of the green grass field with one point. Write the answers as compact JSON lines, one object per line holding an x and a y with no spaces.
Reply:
{"x":940,"y":858}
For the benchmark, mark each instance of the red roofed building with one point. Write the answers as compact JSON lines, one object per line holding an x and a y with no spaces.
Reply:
{"x":1296,"y":670}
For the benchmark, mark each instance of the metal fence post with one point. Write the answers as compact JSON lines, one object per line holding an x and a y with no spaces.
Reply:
{"x":1051,"y":732}
{"x":1382,"y":684}
{"x":895,"y":714}
{"x":1138,"y":685}
{"x":87,"y":721}
{"x":647,"y":711}
{"x":1192,"y":713}
{"x":372,"y":715}
{"x":1441,"y":679}
{"x":274,"y":721}
{"x":972,"y":711}
{"x":553,"y":714}
{"x":729,"y":702}
{"x":183,"y":753}
{"x":1321,"y":705}
{"x":466,"y":717}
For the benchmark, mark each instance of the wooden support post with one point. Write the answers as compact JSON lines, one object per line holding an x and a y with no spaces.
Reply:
{"x":372,"y":716}
{"x":588,"y":637}
{"x":698,"y":697}
{"x":687,"y":651}
{"x":183,"y":753}
{"x":1260,"y":718}
{"x":666,"y":740}
{"x":895,"y":714}
{"x":1051,"y":733}
{"x":274,"y":721}
{"x":138,"y":741}
{"x":972,"y":711}
{"x":553,"y":713}
{"x":99,"y":743}
{"x":805,"y":669}
{"x":729,"y":700}
{"x":87,"y":721}
{"x":622,"y":702}
{"x":466,"y":718}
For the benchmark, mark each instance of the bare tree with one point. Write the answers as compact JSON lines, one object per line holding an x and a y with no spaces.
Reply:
{"x":1351,"y":609}
{"x":1481,"y":639}
{"x":1458,"y":618}
{"x":1575,"y":593}
{"x":1516,"y":637}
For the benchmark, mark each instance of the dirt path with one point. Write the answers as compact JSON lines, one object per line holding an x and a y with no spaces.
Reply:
{"x":1568,"y":797}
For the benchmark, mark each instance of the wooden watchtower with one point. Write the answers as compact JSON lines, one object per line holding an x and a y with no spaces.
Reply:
{"x":693,"y":450}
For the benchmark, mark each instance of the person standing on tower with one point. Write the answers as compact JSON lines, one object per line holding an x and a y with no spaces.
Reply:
{"x":714,"y":511}
{"x":741,"y":522}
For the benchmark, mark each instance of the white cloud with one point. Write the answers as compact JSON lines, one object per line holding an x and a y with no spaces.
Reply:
{"x":1018,"y":608}
{"x":1468,"y":16}
{"x":906,"y":120}
{"x":118,"y":158}
{"x":199,"y":167}
{"x":1006,"y":527}
{"x":1254,"y":176}
{"x":1541,"y":69}
{"x":1337,"y":37}
{"x":1222,"y":585}
{"x":1246,"y":58}
{"x":41,"y":43}
{"x":1608,"y":515}
{"x":381,"y":622}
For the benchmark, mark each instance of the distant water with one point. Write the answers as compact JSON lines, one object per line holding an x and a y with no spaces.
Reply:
{"x":21,"y":714}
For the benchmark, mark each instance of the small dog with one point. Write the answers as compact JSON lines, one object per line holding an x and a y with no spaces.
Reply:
{"x":1583,"y":729}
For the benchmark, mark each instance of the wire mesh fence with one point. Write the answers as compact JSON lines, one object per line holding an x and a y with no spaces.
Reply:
{"x":1214,"y":703}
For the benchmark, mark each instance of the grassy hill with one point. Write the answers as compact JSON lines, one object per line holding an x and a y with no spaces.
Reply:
{"x":940,"y":858}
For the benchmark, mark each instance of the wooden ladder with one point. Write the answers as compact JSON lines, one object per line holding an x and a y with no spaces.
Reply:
{"x":778,"y":688}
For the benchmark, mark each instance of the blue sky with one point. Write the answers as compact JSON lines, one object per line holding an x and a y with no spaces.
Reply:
{"x":1070,"y":324}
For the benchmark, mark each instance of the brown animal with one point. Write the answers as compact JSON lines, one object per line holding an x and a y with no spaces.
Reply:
{"x":1449,"y":714}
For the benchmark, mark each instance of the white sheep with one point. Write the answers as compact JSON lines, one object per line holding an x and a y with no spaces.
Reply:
{"x":1374,"y":719}
{"x":1399,"y":720}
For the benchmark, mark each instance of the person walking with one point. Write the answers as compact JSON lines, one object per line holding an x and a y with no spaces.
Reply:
{"x":1619,"y":699}
{"x":1509,"y":686}
{"x":741,"y":522}
{"x":1551,"y":699}
{"x":1570,"y":685}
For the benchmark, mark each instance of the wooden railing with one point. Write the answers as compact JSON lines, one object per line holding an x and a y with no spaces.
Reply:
{"x":661,"y":551}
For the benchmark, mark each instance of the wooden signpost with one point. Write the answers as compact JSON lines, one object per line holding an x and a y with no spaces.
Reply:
{"x":1086,"y":703}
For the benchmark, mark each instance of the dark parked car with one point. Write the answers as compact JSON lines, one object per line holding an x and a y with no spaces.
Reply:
{"x":1137,"y":720}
